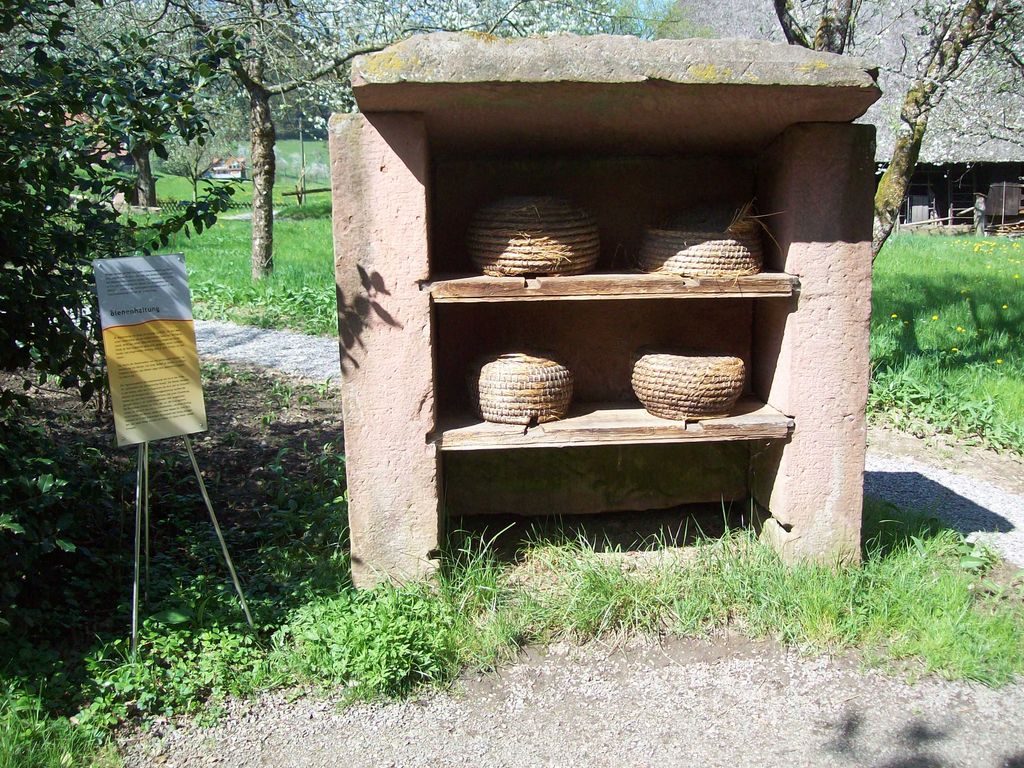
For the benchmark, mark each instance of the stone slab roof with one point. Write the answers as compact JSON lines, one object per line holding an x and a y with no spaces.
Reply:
{"x":609,"y":92}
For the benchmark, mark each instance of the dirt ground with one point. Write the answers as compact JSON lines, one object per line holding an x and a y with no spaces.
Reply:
{"x":1005,"y":470}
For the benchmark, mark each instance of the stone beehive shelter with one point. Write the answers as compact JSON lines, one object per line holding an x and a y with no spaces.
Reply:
{"x":636,"y":132}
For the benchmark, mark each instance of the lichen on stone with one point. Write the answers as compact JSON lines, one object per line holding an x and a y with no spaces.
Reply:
{"x":389,"y":63}
{"x":708,"y":72}
{"x":812,"y":66}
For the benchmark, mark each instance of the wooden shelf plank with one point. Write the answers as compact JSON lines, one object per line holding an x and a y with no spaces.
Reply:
{"x":607,"y":285}
{"x":613,"y":424}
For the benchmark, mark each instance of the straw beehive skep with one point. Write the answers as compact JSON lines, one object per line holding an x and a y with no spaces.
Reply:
{"x":520,"y":388}
{"x":736,"y":251}
{"x":680,"y":386}
{"x":533,"y":236}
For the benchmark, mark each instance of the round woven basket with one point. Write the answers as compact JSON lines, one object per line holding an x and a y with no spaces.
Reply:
{"x":683,"y":386}
{"x":737,"y":251}
{"x":533,"y":236}
{"x":519,"y":388}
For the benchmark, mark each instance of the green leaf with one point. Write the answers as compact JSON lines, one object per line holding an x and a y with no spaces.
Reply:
{"x":174,"y":616}
{"x":7,"y":524}
{"x":972,"y":562}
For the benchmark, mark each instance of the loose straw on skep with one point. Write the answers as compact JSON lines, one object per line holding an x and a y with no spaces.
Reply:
{"x":736,"y":251}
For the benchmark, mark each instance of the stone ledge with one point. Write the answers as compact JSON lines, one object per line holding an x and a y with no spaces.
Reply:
{"x":461,"y":58}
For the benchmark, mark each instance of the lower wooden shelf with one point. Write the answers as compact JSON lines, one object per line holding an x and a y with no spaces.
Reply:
{"x":613,"y":424}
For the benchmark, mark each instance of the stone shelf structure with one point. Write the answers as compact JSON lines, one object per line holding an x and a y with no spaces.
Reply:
{"x":636,"y":132}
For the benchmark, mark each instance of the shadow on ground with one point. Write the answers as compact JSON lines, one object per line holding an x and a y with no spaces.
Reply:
{"x":913,"y":491}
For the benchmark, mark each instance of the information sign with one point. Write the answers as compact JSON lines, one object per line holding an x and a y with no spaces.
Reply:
{"x":149,"y":341}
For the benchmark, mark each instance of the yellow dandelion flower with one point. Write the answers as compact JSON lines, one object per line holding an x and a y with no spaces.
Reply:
{"x":953,"y":349}
{"x":1006,"y":306}
{"x":999,"y":361}
{"x":894,"y":316}
{"x":959,"y":329}
{"x":935,"y":317}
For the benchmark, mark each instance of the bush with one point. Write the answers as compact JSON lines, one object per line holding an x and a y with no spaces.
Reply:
{"x":70,"y":115}
{"x":382,"y":642}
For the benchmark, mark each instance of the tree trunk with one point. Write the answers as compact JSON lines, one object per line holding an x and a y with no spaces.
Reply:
{"x":969,"y":25}
{"x":263,"y":136}
{"x":145,"y":184}
{"x":892,"y":189}
{"x":834,"y":27}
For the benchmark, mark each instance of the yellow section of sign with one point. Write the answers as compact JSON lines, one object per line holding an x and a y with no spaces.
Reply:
{"x":154,"y":380}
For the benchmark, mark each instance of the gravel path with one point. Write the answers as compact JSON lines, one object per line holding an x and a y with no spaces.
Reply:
{"x":988,"y":503}
{"x":689,"y":703}
{"x":980,"y":509}
{"x":310,"y":357}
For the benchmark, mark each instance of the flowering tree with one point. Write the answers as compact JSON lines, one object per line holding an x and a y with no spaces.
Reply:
{"x":303,"y":47}
{"x":950,"y":49}
{"x":68,"y":113}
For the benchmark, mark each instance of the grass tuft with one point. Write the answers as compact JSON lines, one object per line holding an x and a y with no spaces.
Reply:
{"x":29,"y":738}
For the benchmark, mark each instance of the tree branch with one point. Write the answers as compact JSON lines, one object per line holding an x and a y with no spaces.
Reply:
{"x":282,"y":88}
{"x":795,"y":34}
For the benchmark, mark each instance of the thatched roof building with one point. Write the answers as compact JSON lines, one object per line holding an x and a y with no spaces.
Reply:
{"x":975,"y":137}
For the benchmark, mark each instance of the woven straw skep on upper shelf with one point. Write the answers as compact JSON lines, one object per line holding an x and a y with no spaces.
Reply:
{"x":536,"y":235}
{"x":520,"y":388}
{"x":680,"y":385}
{"x":735,"y":251}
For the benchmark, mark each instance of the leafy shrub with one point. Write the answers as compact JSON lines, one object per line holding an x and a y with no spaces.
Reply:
{"x":386,"y":641}
{"x":42,"y":489}
{"x":178,"y":670}
{"x":67,"y":113}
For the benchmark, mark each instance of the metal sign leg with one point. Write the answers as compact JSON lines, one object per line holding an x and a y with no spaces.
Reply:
{"x":140,"y":481}
{"x":216,"y":527}
{"x":145,"y":515}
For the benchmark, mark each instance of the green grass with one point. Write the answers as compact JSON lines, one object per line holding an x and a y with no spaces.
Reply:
{"x":317,"y":162}
{"x":299,"y":295}
{"x":29,"y":738}
{"x":920,"y":602}
{"x":947,"y":338}
{"x":170,"y":187}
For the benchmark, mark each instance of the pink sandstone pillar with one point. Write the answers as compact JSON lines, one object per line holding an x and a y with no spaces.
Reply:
{"x":379,"y":169}
{"x":811,"y":357}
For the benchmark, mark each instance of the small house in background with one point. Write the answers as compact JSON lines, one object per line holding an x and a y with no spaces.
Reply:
{"x":229,"y":168}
